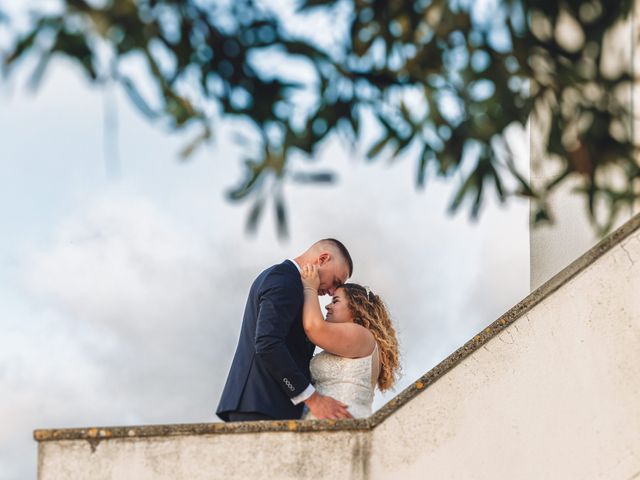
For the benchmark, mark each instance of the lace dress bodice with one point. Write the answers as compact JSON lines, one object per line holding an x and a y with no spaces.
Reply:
{"x":351,"y":381}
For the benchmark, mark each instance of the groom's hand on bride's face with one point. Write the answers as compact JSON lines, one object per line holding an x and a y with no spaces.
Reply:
{"x":323,"y":406}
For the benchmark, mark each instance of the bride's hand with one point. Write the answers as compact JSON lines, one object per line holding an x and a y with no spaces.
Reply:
{"x":310,"y":277}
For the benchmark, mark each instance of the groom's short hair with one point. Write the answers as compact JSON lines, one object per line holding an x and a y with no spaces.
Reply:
{"x":343,"y":252}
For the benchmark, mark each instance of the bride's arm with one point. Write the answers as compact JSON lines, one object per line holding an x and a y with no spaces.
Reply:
{"x":343,"y":339}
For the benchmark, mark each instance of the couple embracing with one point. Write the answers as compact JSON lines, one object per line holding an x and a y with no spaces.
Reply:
{"x":274,"y":373}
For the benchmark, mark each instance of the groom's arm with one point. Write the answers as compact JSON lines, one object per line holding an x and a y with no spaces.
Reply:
{"x":279,"y":302}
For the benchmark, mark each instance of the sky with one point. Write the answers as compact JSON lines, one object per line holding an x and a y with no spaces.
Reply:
{"x":121,"y":294}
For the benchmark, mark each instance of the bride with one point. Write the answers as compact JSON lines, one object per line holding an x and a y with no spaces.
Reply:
{"x":359,"y":343}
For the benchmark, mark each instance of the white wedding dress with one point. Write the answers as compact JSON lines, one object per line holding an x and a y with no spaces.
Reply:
{"x":351,"y":381}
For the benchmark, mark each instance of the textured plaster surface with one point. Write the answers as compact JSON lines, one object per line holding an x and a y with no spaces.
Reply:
{"x":556,"y":394}
{"x":278,"y":455}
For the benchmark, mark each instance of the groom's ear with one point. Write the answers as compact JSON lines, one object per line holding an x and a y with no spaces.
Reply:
{"x":323,"y":258}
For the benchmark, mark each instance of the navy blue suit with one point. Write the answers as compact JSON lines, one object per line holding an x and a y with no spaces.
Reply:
{"x":271,"y":363}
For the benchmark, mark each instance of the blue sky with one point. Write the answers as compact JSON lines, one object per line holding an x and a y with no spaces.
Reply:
{"x":121,"y":296}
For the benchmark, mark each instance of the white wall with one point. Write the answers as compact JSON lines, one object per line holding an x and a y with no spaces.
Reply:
{"x":555,"y":395}
{"x":280,"y":455}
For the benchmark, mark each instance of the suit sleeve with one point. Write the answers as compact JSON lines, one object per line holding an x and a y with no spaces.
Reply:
{"x":279,"y":303}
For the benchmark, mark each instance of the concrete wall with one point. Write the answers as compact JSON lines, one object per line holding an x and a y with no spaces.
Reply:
{"x":554,"y":395}
{"x":549,"y":390}
{"x":279,"y":455}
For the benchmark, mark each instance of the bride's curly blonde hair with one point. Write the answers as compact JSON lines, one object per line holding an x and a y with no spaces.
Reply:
{"x":369,"y":311}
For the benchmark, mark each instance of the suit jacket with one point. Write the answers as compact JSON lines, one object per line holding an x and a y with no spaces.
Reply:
{"x":271,"y":363}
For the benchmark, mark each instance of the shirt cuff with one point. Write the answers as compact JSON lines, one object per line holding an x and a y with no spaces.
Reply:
{"x":304,"y":395}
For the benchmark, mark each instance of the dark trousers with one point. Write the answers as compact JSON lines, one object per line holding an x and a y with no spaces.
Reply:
{"x":247,"y":416}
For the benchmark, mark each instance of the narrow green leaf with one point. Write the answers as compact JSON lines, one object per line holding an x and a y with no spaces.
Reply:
{"x":254,"y":174}
{"x":427,"y":154}
{"x":466,"y":188}
{"x":541,"y":216}
{"x":375,"y":150}
{"x":134,"y":95}
{"x":254,"y":215}
{"x":201,"y":138}
{"x":41,"y":68}
{"x":21,"y":47}
{"x":477,"y":202}
{"x":281,"y":217}
{"x":313,"y":177}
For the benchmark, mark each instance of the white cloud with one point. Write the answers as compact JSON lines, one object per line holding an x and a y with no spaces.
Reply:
{"x":130,"y":274}
{"x":124,"y":266}
{"x":121,"y":326}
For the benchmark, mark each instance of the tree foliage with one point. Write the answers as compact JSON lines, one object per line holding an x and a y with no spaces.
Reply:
{"x":441,"y":82}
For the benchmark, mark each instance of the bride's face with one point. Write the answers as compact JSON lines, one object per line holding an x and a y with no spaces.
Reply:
{"x":338,"y":308}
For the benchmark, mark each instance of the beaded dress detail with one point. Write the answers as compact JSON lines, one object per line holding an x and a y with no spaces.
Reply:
{"x":351,"y":381}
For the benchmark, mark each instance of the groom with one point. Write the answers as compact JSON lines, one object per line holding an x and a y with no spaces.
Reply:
{"x":269,"y":376}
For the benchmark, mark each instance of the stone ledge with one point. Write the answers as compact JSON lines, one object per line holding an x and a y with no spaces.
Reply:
{"x":96,"y":434}
{"x":104,"y":433}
